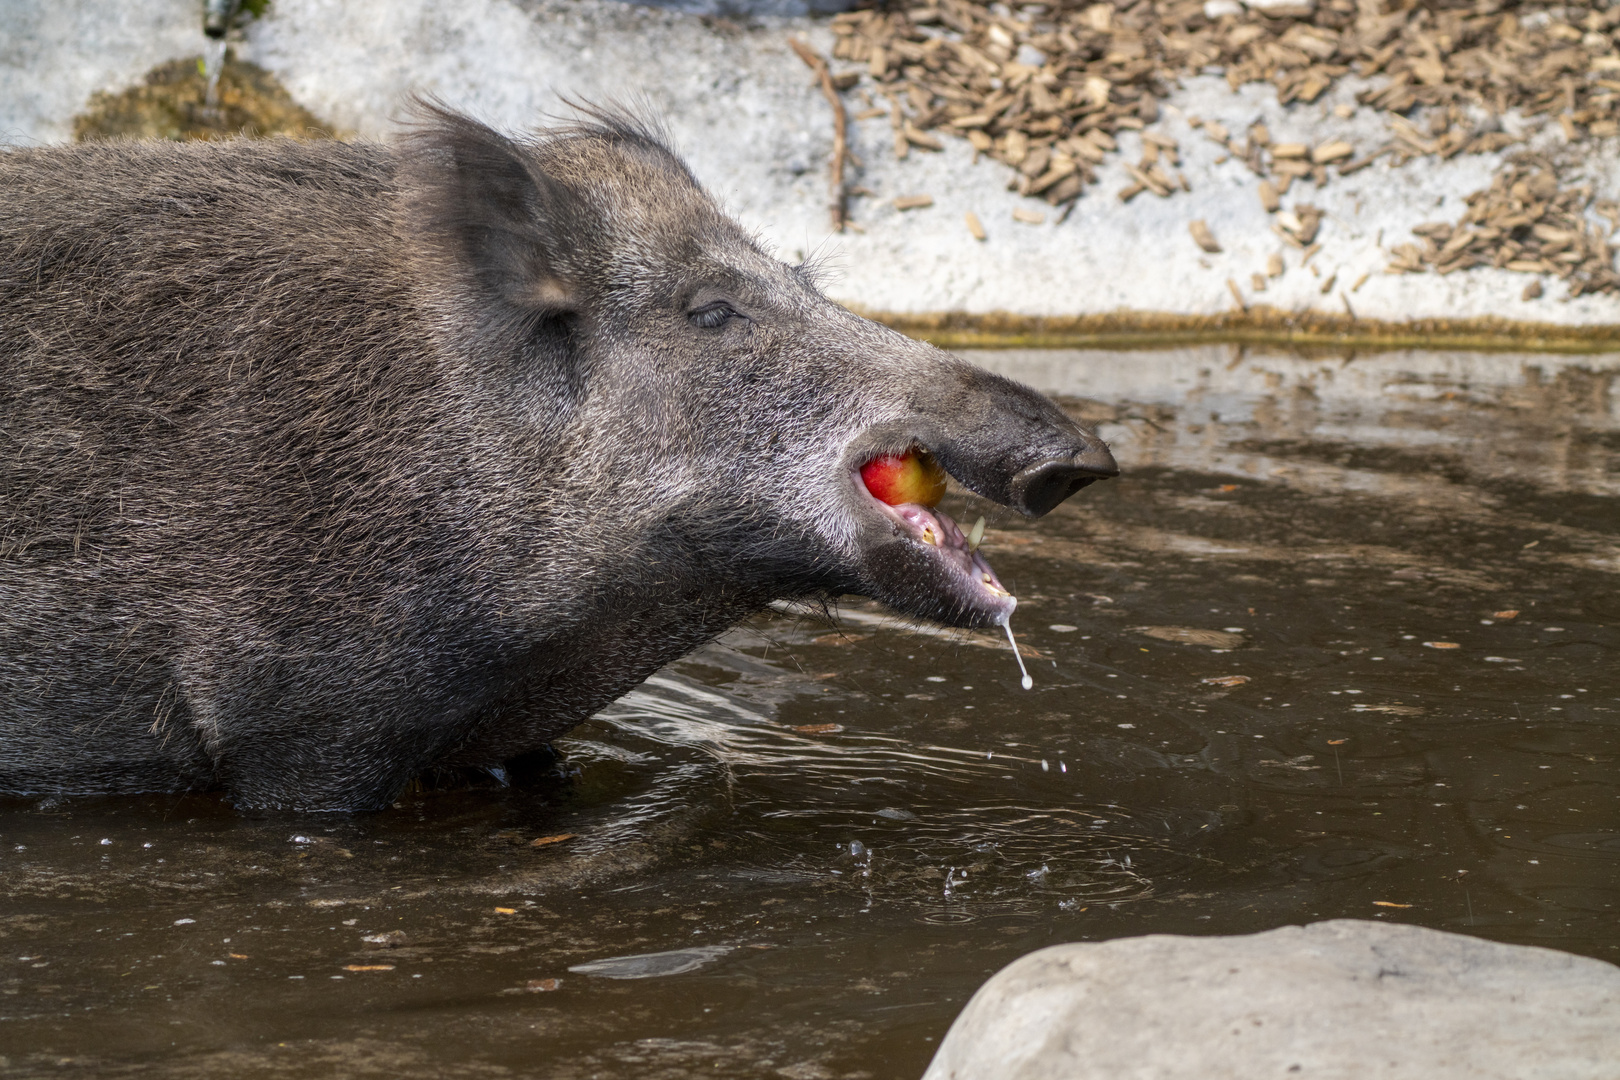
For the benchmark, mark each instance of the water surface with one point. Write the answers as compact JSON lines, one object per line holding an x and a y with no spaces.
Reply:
{"x":1341,"y":643}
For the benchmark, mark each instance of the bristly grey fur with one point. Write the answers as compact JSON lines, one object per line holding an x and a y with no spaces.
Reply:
{"x":325,"y":464}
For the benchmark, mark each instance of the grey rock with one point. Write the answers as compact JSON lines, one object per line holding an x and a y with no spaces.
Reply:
{"x":1340,"y":999}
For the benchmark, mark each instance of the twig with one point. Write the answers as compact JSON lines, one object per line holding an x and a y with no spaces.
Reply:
{"x":840,"y":122}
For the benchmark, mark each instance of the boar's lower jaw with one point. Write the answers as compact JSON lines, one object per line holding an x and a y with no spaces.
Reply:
{"x":928,"y":569}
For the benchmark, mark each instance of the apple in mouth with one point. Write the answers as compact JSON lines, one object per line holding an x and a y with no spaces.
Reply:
{"x":912,"y":477}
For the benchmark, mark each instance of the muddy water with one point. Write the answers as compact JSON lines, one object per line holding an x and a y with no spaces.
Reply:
{"x":1278,"y":677}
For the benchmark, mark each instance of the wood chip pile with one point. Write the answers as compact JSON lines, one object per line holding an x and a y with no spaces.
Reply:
{"x":1046,"y":88}
{"x":1524,"y":222}
{"x":1058,"y":76}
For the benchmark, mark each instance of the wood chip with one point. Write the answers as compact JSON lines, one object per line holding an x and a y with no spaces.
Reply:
{"x":1299,"y":225}
{"x":1028,"y":217}
{"x":1237,"y":294}
{"x":974,"y":225}
{"x":547,"y":841}
{"x":1361,"y":163}
{"x":1203,"y":237}
{"x":1338,"y":150}
{"x":1274,"y":265}
{"x":1148,"y":180}
{"x":913,"y":202}
{"x":921,"y":139}
{"x":1269,"y":197}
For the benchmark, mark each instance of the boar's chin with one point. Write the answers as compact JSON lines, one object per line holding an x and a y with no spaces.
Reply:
{"x":925,"y":567}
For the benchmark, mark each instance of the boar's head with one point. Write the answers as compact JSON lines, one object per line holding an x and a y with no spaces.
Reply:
{"x":704,"y":400}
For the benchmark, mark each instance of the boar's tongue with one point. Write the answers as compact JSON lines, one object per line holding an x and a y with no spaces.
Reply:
{"x":936,"y":528}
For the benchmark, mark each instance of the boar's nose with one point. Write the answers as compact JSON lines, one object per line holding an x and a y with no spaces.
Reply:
{"x":1041,"y":486}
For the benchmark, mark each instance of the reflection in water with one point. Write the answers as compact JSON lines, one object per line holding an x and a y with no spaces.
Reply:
{"x":1362,"y":422}
{"x":922,"y":853}
{"x":653,"y":965}
{"x":1340,"y":642}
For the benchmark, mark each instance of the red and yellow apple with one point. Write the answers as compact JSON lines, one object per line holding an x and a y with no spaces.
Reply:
{"x":912,"y":477}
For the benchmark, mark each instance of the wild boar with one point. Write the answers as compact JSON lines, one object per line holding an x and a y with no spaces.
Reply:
{"x":325,"y":464}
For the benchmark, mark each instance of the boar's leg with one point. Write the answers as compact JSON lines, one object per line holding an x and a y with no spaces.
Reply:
{"x":326,"y":725}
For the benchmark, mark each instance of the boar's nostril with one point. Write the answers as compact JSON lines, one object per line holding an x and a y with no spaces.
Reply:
{"x":1041,"y":486}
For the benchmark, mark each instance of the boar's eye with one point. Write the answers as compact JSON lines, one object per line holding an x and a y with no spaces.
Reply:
{"x":713,"y":316}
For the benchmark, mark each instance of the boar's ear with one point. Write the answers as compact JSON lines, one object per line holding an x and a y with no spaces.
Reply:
{"x":504,"y":222}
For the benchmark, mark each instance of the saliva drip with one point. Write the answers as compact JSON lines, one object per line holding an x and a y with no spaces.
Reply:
{"x":1006,"y":624}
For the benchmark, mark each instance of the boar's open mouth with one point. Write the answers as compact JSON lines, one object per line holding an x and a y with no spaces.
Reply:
{"x":963,"y":580}
{"x":919,"y":561}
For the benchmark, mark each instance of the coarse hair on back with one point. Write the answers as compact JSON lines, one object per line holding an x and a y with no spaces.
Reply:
{"x":633,"y":129}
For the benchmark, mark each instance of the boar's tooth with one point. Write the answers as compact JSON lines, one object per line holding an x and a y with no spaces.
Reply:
{"x":928,"y":536}
{"x":977,"y":535}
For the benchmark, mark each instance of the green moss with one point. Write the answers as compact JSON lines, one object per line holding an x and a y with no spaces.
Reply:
{"x":169,"y":104}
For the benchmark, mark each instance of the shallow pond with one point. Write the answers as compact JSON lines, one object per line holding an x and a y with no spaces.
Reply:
{"x":1341,"y":642}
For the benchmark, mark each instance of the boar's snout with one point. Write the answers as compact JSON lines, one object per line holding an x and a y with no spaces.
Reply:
{"x":1039,"y":487}
{"x":1010,"y":444}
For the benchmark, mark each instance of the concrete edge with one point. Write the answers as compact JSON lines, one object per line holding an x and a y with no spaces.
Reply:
{"x":1256,"y":325}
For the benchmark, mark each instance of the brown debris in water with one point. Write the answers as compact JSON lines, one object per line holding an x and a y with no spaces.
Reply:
{"x":169,"y":104}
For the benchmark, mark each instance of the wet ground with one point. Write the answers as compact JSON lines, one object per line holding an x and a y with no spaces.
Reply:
{"x":1342,"y":642}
